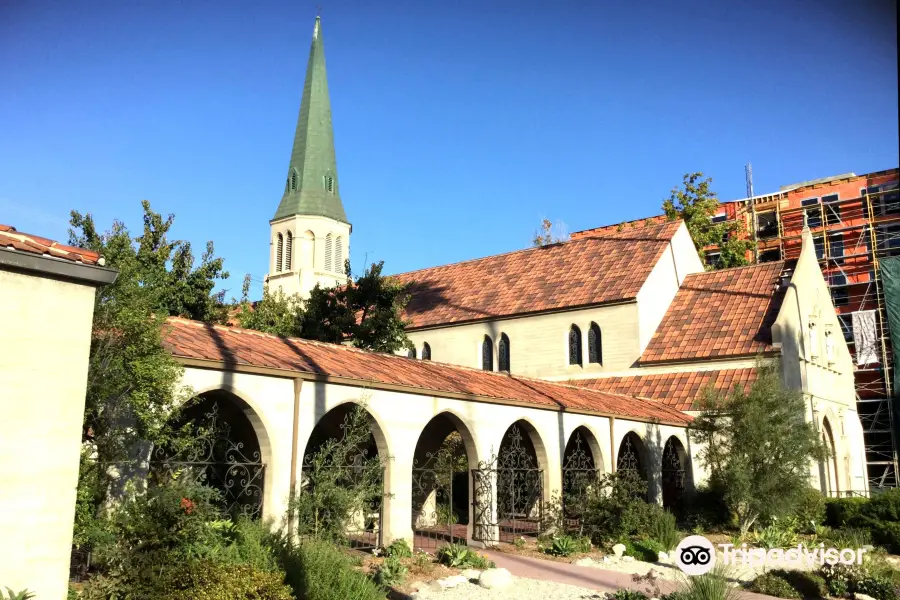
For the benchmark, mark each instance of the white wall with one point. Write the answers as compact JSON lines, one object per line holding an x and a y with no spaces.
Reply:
{"x":308,"y":254}
{"x":43,"y":375}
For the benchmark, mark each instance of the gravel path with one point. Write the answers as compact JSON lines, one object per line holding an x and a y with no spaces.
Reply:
{"x":521,"y":589}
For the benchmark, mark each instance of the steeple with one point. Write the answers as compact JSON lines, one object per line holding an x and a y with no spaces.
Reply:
{"x":312,"y":187}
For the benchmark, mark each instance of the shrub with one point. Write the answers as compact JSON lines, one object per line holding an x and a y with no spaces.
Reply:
{"x":317,"y":570}
{"x":624,"y":594}
{"x":583,"y":544}
{"x":884,"y":506}
{"x":11,"y":595}
{"x":838,"y":511}
{"x":713,"y":585}
{"x":453,"y":555}
{"x":877,"y":586}
{"x":207,"y":580}
{"x":772,"y":585}
{"x":664,"y":530}
{"x":398,"y":549}
{"x":615,"y":507}
{"x":810,"y":509}
{"x":776,"y":535}
{"x":808,"y":585}
{"x":648,"y":550}
{"x":849,"y":537}
{"x":706,"y":508}
{"x":884,"y":533}
{"x":391,"y":572}
{"x":841,"y":579}
{"x":562,"y":545}
{"x":519,"y":542}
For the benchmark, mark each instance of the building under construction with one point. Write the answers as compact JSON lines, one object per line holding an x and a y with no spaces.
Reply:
{"x":855,"y":221}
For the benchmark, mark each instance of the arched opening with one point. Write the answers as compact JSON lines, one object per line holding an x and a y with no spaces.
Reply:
{"x":631,"y":456}
{"x":411,"y":353}
{"x":289,"y":251}
{"x":674,"y":474}
{"x":520,"y":482}
{"x":595,"y":345}
{"x":426,"y":351}
{"x":503,"y":353}
{"x":487,"y":354}
{"x":307,"y":252}
{"x":342,"y":481}
{"x":329,"y":251}
{"x":440,"y":482}
{"x":831,"y":474}
{"x":574,"y":345}
{"x":226,"y":455}
{"x":279,"y":249}
{"x":339,"y":255}
{"x":582,"y":464}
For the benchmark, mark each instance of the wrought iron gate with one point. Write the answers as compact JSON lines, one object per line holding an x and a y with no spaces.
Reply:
{"x":219,"y":462}
{"x":578,"y":473}
{"x":673,"y":476}
{"x":435,"y":520}
{"x":517,"y":507}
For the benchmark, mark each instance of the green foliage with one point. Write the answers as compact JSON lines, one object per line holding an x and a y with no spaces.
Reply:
{"x":210,"y":580}
{"x":695,"y":204}
{"x":839,"y":511}
{"x":546,"y":235}
{"x":664,"y":530}
{"x":849,"y":537}
{"x":884,"y":506}
{"x":874,"y":579}
{"x":772,"y":585}
{"x":11,"y":595}
{"x":810,"y":509}
{"x":625,"y":594}
{"x":706,"y":507}
{"x":648,"y":550}
{"x":390,"y":573}
{"x":317,"y":570}
{"x":741,"y":432}
{"x":398,"y":549}
{"x":713,"y":585}
{"x":519,"y":542}
{"x":879,"y":587}
{"x":615,"y":507}
{"x":583,"y":544}
{"x":806,"y":584}
{"x":459,"y":556}
{"x":562,"y":545}
{"x":776,"y":535}
{"x":275,"y":313}
{"x":333,"y":493}
{"x":884,"y":533}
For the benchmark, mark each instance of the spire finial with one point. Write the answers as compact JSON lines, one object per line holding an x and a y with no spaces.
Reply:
{"x":318,"y":11}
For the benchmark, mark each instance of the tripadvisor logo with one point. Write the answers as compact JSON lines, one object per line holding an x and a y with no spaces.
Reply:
{"x":696,"y":555}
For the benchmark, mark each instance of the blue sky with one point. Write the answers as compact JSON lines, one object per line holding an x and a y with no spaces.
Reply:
{"x":458,"y":125}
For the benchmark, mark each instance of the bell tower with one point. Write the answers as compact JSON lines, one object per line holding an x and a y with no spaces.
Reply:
{"x":310,"y":233}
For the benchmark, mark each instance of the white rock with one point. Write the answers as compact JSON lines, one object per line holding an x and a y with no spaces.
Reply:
{"x":662,"y":557}
{"x":587,"y":561}
{"x":608,"y":559}
{"x":859,"y":596}
{"x":495,"y":579}
{"x":627,"y":559}
{"x":619,"y":549}
{"x":452,"y":581}
{"x":471,"y":573}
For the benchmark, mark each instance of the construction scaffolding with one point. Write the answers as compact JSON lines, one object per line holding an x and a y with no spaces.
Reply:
{"x":852,"y":236}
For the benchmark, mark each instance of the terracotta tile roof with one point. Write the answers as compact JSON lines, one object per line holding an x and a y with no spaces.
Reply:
{"x":193,"y":339}
{"x":717,"y":314}
{"x":603,"y":268}
{"x":626,"y":226}
{"x":33,"y":244}
{"x":676,"y":390}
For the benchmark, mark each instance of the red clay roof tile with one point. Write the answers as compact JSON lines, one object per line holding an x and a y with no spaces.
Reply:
{"x":193,"y":339}
{"x":718,"y":314}
{"x":676,"y":390}
{"x":606,"y":267}
{"x":33,"y":244}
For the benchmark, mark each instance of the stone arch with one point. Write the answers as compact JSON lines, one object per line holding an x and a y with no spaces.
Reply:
{"x":359,"y":461}
{"x":582,"y":462}
{"x":521,"y":471}
{"x":231,"y":453}
{"x":441,"y":503}
{"x":306,"y":253}
{"x":675,"y":472}
{"x":831,"y":480}
{"x":632,"y":455}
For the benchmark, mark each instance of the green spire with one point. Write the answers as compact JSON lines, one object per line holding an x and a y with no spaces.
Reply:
{"x":312,"y":186}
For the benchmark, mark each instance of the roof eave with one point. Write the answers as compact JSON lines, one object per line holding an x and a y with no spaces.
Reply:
{"x":57,"y":268}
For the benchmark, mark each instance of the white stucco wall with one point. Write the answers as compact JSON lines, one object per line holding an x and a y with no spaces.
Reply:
{"x":308,"y":254}
{"x":401,"y":417}
{"x":43,"y":374}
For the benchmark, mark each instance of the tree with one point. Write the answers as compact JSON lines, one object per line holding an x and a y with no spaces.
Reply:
{"x":757,"y":446}
{"x":133,"y":389}
{"x":546,"y":235}
{"x":366,"y":310}
{"x":696,"y":204}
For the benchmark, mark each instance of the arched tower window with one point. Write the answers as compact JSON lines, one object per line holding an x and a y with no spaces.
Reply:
{"x":328,"y":253}
{"x":279,"y":249}
{"x":289,"y":251}
{"x":426,"y":351}
{"x":487,"y":354}
{"x":328,"y":182}
{"x":339,"y":254}
{"x":293,"y":179}
{"x":503,"y":353}
{"x":411,"y":353}
{"x":595,"y":345}
{"x":574,"y":345}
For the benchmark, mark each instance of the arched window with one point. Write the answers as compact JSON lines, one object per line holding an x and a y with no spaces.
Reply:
{"x":289,"y":251}
{"x":595,"y":345}
{"x":487,"y":354}
{"x":574,"y":345}
{"x":411,"y":353}
{"x":328,"y":182}
{"x":503,"y":353}
{"x":339,"y":255}
{"x":279,"y":248}
{"x":426,"y":351}
{"x":293,"y":179}
{"x":328,"y":253}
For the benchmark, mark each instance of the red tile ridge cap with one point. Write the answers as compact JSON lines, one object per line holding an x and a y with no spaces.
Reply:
{"x":763,"y":265}
{"x":39,"y":245}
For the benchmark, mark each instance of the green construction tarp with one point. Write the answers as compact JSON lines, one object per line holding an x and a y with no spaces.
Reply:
{"x":890,"y":278}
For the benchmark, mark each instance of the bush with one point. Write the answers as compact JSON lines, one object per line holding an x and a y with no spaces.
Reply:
{"x":808,"y":585}
{"x":583,"y":544}
{"x":562,"y":545}
{"x":317,"y":570}
{"x":776,"y":535}
{"x":810,"y":510}
{"x":615,"y":507}
{"x":884,"y":533}
{"x":624,"y":594}
{"x":713,"y":585}
{"x":207,"y":580}
{"x":849,"y":537}
{"x":459,"y":556}
{"x":838,"y":511}
{"x":648,"y":550}
{"x":706,"y":508}
{"x":398,"y":549}
{"x":391,"y":572}
{"x":772,"y":585}
{"x":884,"y":506}
{"x":877,"y":586}
{"x":11,"y":595}
{"x":841,"y":579}
{"x":664,"y":530}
